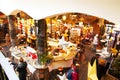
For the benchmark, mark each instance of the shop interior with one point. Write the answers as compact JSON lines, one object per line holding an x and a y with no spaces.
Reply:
{"x":64,"y":32}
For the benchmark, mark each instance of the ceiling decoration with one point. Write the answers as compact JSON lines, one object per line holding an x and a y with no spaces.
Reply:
{"x":80,"y":17}
{"x":70,"y":17}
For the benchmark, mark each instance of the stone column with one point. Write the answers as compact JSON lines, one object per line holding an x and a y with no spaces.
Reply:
{"x":12,"y":29}
{"x":41,"y":37}
{"x":41,"y":46}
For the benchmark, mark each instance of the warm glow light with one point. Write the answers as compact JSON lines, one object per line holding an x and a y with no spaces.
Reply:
{"x":64,"y":17}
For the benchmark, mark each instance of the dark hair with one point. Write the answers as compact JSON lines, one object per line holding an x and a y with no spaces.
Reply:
{"x":21,"y":59}
{"x":60,"y":37}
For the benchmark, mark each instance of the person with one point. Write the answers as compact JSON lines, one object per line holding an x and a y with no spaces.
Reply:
{"x":69,"y":73}
{"x":72,"y":73}
{"x":95,"y":57}
{"x":81,"y":52}
{"x":7,"y":39}
{"x":95,"y":42}
{"x":12,"y":62}
{"x":22,"y":69}
{"x":100,"y":65}
{"x":101,"y":68}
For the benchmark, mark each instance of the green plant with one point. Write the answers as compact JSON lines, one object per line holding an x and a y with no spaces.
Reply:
{"x":44,"y":58}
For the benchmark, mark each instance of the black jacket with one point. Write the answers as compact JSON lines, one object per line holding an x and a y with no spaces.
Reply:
{"x":22,"y":70}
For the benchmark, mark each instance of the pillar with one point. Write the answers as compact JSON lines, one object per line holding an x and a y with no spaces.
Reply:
{"x":41,"y":37}
{"x":12,"y":29}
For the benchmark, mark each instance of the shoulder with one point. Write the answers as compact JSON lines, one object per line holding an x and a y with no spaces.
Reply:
{"x":25,"y":63}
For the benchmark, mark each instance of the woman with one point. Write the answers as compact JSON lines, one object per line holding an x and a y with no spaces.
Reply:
{"x":22,"y":69}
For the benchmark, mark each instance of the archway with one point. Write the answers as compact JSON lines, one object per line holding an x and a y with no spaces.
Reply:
{"x":3,"y":27}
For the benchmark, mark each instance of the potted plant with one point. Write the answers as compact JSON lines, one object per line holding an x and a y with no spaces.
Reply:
{"x":45,"y":58}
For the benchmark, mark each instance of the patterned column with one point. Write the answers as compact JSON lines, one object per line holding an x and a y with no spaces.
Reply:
{"x":41,"y":37}
{"x":12,"y":29}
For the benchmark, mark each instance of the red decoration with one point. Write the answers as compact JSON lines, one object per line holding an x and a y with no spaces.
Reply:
{"x":33,"y":55}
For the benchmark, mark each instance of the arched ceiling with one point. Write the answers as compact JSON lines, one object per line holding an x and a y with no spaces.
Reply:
{"x":38,"y":9}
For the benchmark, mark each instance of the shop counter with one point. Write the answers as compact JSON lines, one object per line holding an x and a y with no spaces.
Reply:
{"x":38,"y":72}
{"x":62,"y":60}
{"x":61,"y":63}
{"x":28,"y":60}
{"x":24,"y":53}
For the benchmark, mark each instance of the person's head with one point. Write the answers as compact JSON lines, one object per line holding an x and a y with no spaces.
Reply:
{"x":73,"y":67}
{"x":97,"y":55}
{"x":7,"y":35}
{"x":0,"y":48}
{"x":21,"y":59}
{"x":60,"y":37}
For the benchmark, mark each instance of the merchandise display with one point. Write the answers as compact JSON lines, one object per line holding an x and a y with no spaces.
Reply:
{"x":55,"y":42}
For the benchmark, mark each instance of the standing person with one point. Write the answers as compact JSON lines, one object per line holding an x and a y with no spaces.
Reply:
{"x":22,"y":69}
{"x":69,"y":73}
{"x":81,"y":52}
{"x":101,"y":68}
{"x":7,"y":39}
{"x":74,"y":74}
{"x":95,"y":42}
{"x":95,"y":57}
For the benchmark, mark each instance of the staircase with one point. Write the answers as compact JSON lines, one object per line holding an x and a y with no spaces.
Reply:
{"x":8,"y":69}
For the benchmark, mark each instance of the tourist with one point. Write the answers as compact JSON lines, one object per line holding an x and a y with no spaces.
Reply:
{"x":75,"y":75}
{"x":22,"y":69}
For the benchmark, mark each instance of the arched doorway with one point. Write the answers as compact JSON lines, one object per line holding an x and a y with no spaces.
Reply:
{"x":3,"y":27}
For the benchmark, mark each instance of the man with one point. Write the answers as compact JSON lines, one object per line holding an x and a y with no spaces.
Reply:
{"x":22,"y":69}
